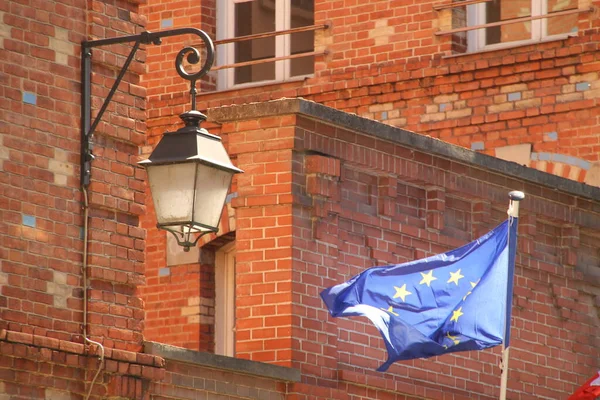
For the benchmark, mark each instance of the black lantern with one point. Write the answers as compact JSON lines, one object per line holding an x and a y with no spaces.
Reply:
{"x":189,"y":171}
{"x":189,"y":174}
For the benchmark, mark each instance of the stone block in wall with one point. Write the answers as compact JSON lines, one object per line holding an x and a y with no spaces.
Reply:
{"x":593,"y":175}
{"x":176,"y":255}
{"x":519,"y":153}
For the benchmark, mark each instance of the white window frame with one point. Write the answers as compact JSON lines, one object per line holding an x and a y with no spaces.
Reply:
{"x":225,"y":300}
{"x":539,"y":28}
{"x":226,"y":53}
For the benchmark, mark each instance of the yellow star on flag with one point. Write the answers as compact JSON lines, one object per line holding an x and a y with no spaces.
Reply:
{"x":455,"y":276}
{"x":453,"y":338}
{"x":427,"y":278}
{"x":401,"y":292}
{"x":456,"y":314}
{"x":473,"y":284}
{"x":390,"y":310}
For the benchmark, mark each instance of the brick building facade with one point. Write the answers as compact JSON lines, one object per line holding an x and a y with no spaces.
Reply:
{"x":325,"y":194}
{"x":534,"y":102}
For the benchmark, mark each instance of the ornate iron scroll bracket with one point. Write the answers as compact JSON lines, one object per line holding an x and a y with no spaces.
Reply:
{"x":87,"y":127}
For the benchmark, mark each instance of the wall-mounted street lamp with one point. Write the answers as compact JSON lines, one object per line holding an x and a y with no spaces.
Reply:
{"x":189,"y":171}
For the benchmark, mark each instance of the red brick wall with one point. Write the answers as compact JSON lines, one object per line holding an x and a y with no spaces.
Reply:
{"x":178,"y":304}
{"x":116,"y":194}
{"x":353,"y":201}
{"x":41,"y":212}
{"x":42,"y":353}
{"x":264,"y":314}
{"x":167,"y":93}
{"x":40,"y":367}
{"x":179,"y":299}
{"x":36,"y":367}
{"x":36,"y":161}
{"x":385,"y":62}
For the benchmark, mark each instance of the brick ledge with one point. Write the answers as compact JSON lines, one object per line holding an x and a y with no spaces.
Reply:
{"x":138,"y":364}
{"x":236,"y":365}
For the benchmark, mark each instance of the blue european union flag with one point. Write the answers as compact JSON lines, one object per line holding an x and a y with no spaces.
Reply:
{"x":456,"y":301}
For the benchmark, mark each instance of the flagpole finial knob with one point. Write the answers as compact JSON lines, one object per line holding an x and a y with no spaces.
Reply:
{"x":516,"y":195}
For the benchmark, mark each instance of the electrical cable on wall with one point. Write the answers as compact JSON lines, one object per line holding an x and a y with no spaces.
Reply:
{"x":85,"y":295}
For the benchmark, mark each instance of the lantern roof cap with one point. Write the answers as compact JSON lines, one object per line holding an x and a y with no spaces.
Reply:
{"x":191,"y":143}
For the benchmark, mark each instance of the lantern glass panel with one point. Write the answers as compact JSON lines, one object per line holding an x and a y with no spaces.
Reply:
{"x":212,"y":185}
{"x":172,"y":189}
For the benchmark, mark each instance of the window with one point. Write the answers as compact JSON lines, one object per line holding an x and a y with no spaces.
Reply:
{"x":225,"y":301}
{"x":520,"y":32}
{"x":237,"y":18}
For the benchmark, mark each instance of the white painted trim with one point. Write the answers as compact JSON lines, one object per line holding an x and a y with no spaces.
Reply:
{"x":475,"y":38}
{"x":226,"y":54}
{"x":283,"y":15}
{"x":513,"y":45}
{"x":225,"y":300}
{"x":538,"y":7}
{"x":543,"y":22}
{"x":476,"y":41}
{"x":222,"y":51}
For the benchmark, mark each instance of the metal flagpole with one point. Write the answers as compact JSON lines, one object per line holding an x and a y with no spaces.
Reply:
{"x":513,"y":215}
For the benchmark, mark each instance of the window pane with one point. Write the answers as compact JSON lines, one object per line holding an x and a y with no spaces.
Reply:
{"x":563,"y":24}
{"x":501,"y":10}
{"x":302,"y":14}
{"x":252,"y":17}
{"x":459,"y":39}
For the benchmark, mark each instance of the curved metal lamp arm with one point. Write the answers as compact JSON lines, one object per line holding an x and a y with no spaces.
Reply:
{"x":88,"y":128}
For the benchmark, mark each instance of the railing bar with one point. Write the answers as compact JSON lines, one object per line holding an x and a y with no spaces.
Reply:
{"x":268,"y":60}
{"x":462,"y":3}
{"x":511,"y":21}
{"x":271,"y":34}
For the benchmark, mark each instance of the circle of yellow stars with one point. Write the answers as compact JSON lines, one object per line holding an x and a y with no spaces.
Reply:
{"x":402,"y":292}
{"x":427,"y":278}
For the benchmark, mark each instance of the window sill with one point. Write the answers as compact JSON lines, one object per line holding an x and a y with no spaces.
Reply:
{"x":263,"y":84}
{"x":514,"y":45}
